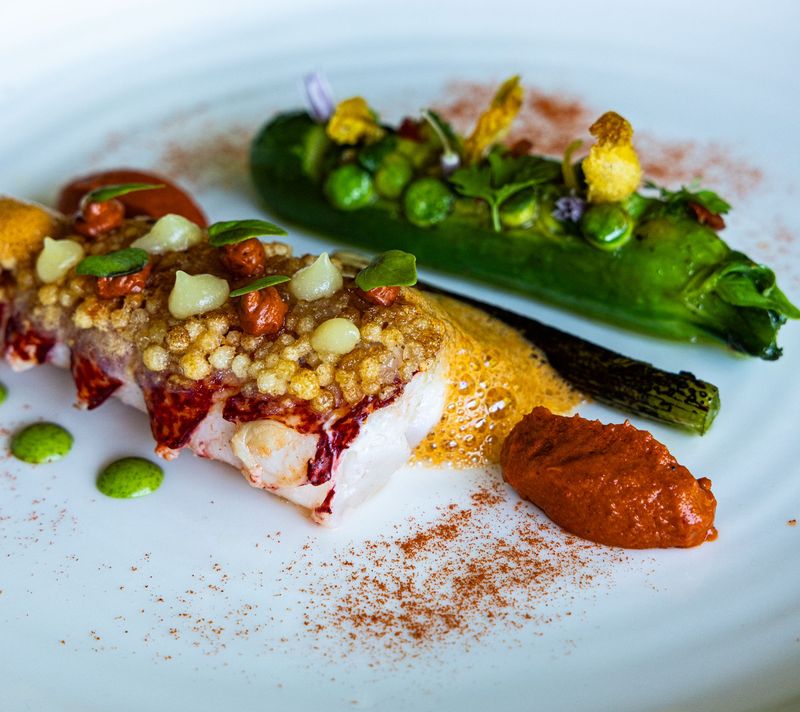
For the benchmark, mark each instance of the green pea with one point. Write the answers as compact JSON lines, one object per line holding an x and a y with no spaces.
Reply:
{"x":3,"y":392}
{"x":393,"y":175}
{"x":606,"y":226}
{"x":130,"y":477}
{"x":350,"y":187}
{"x":418,"y":153}
{"x":427,"y":201}
{"x":41,"y":443}
{"x":636,"y":205}
{"x":520,"y":210}
{"x":372,"y":156}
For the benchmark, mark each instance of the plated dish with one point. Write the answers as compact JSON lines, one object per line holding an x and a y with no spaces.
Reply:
{"x":318,"y":379}
{"x":110,"y":539}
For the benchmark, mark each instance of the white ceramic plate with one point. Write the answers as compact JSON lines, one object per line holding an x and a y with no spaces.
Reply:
{"x":197,"y":598}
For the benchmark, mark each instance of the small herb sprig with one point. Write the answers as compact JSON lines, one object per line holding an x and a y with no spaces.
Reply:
{"x":502,"y":176}
{"x":113,"y":264}
{"x":394,"y":268}
{"x":107,"y":192}
{"x":263,"y":283}
{"x":230,"y":232}
{"x":691,"y":193}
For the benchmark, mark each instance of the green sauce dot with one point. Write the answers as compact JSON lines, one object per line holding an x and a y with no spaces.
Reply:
{"x":130,"y":477}
{"x":40,"y":443}
{"x":3,"y":392}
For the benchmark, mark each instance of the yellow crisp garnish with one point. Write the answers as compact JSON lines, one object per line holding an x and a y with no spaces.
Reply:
{"x":23,"y":227}
{"x":495,"y":121}
{"x":353,"y":120}
{"x":612,"y":167}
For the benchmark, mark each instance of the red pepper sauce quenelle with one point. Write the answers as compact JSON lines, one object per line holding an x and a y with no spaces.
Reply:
{"x":611,"y":484}
{"x":150,"y":203}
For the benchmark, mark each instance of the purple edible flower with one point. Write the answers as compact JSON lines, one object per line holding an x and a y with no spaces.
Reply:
{"x":569,"y":208}
{"x":319,"y":96}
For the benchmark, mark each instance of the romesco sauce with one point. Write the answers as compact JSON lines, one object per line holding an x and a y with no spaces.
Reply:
{"x":611,"y":484}
{"x":150,"y":203}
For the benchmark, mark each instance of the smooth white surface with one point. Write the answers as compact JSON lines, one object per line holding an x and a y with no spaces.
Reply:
{"x":716,"y":628}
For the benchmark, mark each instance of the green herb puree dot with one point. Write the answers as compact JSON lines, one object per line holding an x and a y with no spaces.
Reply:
{"x":3,"y":392}
{"x":130,"y":477}
{"x":40,"y":443}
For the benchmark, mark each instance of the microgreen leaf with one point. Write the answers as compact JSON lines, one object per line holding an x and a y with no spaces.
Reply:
{"x":113,"y":264}
{"x":394,"y":268}
{"x":745,"y":284}
{"x":474,"y":182}
{"x":711,"y":201}
{"x":263,"y":283}
{"x":692,"y":194}
{"x":501,"y":178}
{"x":372,"y":155}
{"x":229,"y":232}
{"x":107,"y":192}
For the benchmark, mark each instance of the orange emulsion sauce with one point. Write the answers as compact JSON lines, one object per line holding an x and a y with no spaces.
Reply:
{"x":496,"y":377}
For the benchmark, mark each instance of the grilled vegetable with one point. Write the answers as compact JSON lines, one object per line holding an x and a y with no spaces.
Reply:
{"x":645,"y":261}
{"x":625,"y":383}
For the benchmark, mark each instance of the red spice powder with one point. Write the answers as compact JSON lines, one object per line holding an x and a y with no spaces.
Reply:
{"x":486,"y":567}
{"x":471,"y":571}
{"x":713,"y":164}
{"x":772,"y":242}
{"x":217,"y":157}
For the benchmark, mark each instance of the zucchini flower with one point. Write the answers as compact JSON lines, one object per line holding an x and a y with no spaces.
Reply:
{"x":612,"y":167}
{"x":494,"y":123}
{"x":352,"y":121}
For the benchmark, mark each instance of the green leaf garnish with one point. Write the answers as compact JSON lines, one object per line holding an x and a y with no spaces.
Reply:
{"x":687,"y":194}
{"x":500,"y":178}
{"x":372,"y":155}
{"x":394,"y":268}
{"x":107,"y":192}
{"x":262,"y":283}
{"x":751,"y":285}
{"x":229,"y":232}
{"x":113,"y":264}
{"x":710,"y":201}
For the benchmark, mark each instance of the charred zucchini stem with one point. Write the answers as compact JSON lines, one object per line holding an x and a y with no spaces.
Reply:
{"x":633,"y":386}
